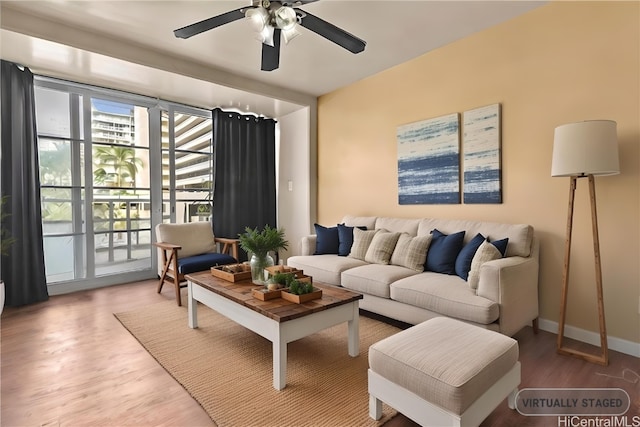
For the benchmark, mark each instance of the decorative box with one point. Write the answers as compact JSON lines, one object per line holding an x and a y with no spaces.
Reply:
{"x":232,"y":272}
{"x":299,"y":299}
{"x":263,"y":294}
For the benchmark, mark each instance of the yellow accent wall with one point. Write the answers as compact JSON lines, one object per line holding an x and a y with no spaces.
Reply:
{"x":560,"y":63}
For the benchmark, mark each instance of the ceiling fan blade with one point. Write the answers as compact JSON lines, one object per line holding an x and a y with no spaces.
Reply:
{"x":211,"y":23}
{"x":294,"y":3}
{"x":271,"y":54}
{"x":331,"y":32}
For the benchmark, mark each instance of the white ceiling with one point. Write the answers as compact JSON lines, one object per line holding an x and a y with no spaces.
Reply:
{"x":79,"y":39}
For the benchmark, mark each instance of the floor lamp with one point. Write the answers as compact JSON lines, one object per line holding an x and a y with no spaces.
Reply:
{"x":584,"y":150}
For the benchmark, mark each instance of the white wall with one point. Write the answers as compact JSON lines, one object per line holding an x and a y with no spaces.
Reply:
{"x":297,"y":176}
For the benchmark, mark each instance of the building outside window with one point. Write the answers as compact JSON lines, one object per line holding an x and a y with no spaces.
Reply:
{"x":99,"y":150}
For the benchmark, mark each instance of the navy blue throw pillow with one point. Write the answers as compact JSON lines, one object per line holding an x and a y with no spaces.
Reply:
{"x":501,"y":245}
{"x":463,"y":261}
{"x":345,"y":238}
{"x":326,"y":240}
{"x":443,"y":251}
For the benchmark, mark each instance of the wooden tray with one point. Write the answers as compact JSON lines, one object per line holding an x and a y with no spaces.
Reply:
{"x":221,"y":272}
{"x":274,"y":269}
{"x":299,"y":299}
{"x":305,"y":279}
{"x":264,"y":294}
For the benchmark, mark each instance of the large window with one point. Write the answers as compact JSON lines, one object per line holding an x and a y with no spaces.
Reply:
{"x":99,"y":150}
{"x":187,"y":166}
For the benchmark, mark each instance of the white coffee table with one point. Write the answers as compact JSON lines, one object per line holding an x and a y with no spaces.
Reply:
{"x":279,"y":321}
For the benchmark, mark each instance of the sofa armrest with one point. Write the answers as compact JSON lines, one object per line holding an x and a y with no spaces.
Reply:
{"x":308,"y":245}
{"x":512,"y":282}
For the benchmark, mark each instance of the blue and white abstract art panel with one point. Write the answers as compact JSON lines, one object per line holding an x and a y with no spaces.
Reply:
{"x":481,"y":147}
{"x":429,"y":161}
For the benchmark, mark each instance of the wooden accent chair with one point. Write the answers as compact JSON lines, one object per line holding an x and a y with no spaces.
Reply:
{"x":188,"y":248}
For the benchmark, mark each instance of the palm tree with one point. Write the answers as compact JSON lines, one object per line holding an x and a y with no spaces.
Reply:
{"x":117,"y":163}
{"x":55,"y":164}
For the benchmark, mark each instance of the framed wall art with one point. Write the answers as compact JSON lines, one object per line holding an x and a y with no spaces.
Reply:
{"x":481,"y":145}
{"x":429,"y":161}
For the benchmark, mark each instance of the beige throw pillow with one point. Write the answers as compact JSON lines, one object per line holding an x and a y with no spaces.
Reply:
{"x":361,"y":241}
{"x":381,"y":247}
{"x":486,"y":252}
{"x":411,"y":252}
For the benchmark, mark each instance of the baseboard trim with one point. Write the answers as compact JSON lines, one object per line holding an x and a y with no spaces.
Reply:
{"x":618,"y":344}
{"x":61,"y":288}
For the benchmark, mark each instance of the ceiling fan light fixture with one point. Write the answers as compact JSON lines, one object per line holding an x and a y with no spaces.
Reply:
{"x":258,"y":17}
{"x":266,"y":35}
{"x":286,"y":18}
{"x":290,"y":34}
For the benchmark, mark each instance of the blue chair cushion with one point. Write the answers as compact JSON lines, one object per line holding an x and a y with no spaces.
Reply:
{"x":203,"y":262}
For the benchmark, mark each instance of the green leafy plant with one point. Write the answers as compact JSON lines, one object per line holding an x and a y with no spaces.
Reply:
{"x":300,"y":288}
{"x":283,"y":279}
{"x":5,"y":238}
{"x":262,"y":242}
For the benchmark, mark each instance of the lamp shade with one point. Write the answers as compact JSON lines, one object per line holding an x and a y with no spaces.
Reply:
{"x":585,"y":148}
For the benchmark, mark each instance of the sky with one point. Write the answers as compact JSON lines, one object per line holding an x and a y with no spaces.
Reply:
{"x":112,"y":107}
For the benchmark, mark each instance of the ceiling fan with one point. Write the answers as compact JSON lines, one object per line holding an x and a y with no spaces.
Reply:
{"x":274,"y":20}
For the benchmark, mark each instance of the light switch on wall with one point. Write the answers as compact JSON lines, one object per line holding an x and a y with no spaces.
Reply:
{"x":290,"y":183}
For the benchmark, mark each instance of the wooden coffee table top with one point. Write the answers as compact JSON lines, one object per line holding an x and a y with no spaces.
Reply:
{"x":277,"y":309}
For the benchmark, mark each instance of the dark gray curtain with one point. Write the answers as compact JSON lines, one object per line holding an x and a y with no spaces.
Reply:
{"x":244,"y":192}
{"x":23,"y":267}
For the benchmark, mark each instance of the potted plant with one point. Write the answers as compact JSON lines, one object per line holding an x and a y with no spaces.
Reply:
{"x":301,"y":291}
{"x":5,"y":242}
{"x":260,"y":244}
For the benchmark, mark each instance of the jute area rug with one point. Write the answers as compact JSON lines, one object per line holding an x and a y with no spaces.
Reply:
{"x":228,"y":369}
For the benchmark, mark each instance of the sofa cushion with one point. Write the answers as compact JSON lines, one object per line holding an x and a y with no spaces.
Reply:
{"x":345,"y":238}
{"x":486,"y":252}
{"x":501,"y":244}
{"x":361,"y":241}
{"x":381,"y":247}
{"x":203,"y":262}
{"x":327,"y":241}
{"x":443,"y":251}
{"x":411,"y":252}
{"x":195,"y":237}
{"x":324,"y":268}
{"x":448,"y":295}
{"x":520,"y":235}
{"x":399,"y":225}
{"x":369,"y":222}
{"x":373,"y":279}
{"x":463,"y":261}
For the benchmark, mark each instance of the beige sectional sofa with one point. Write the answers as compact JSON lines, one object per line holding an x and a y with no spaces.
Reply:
{"x":506,"y":298}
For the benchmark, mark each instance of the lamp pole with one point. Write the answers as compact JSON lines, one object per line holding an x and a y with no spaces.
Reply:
{"x":603,"y":359}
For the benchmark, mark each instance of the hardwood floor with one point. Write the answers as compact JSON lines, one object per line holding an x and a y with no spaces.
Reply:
{"x":68,"y":361}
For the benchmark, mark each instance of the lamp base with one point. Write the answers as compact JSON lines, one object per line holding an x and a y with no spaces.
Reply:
{"x":604,"y":358}
{"x":600,"y":360}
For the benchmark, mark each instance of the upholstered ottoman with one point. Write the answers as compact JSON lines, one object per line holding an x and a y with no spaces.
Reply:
{"x":443,"y":372}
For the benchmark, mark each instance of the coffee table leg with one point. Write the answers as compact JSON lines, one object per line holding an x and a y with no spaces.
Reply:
{"x":279,"y":364}
{"x":193,"y":307}
{"x":354,"y":332}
